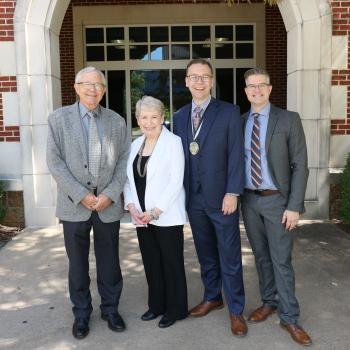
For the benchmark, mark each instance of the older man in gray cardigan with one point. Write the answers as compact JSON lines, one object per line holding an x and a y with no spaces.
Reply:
{"x":87,"y":151}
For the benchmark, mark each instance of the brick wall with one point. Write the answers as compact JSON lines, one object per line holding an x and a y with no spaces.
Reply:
{"x":13,"y":202}
{"x":7,"y":133}
{"x":7,"y":83}
{"x":276,"y":46}
{"x":341,"y":26}
{"x":276,"y":55}
{"x":7,"y":9}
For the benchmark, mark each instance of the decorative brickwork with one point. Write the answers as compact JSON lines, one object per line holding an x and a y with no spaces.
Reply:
{"x":276,"y":46}
{"x":341,"y":26}
{"x":7,"y":83}
{"x":7,"y":9}
{"x":7,"y":133}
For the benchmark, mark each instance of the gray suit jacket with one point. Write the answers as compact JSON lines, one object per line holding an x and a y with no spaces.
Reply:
{"x":67,"y":160}
{"x":287,"y":155}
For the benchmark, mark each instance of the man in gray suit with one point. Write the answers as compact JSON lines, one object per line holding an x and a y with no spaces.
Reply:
{"x":276,"y":176}
{"x":87,"y":152}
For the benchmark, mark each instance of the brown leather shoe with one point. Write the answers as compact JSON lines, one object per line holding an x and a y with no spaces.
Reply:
{"x":297,"y":333}
{"x":205,"y":307}
{"x":238,"y":326}
{"x":261,"y":314}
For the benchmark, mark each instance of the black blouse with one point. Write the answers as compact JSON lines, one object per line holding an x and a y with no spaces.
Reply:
{"x":140,"y":182}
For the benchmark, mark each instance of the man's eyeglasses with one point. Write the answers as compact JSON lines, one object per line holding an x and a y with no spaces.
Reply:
{"x":195,"y":78}
{"x":257,"y":86}
{"x":88,"y":85}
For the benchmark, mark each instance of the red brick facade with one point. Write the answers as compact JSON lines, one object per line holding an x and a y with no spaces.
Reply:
{"x":276,"y":55}
{"x":7,"y":9}
{"x":276,"y":46}
{"x":7,"y":133}
{"x":7,"y":83}
{"x":341,"y":26}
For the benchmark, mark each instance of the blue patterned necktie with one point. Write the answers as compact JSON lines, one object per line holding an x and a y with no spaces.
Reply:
{"x":255,"y":153}
{"x":95,"y":148}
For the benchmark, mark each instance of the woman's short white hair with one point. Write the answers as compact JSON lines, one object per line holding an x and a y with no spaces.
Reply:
{"x":149,"y":102}
{"x":89,"y":70}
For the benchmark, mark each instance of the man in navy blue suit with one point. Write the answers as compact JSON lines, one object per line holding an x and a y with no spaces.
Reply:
{"x":211,"y":135}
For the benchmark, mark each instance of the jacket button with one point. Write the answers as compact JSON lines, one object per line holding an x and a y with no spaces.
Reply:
{"x":85,"y":166}
{"x":88,"y":183}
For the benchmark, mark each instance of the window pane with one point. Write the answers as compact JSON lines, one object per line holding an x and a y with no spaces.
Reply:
{"x":159,"y":52}
{"x":244,"y":33}
{"x":95,"y":53}
{"x":224,"y":84}
{"x":201,"y":33}
{"x":181,"y":94}
{"x":180,"y":33}
{"x":223,"y":50}
{"x":223,"y":33}
{"x":244,"y":51}
{"x":149,"y":82}
{"x":241,"y":98}
{"x":159,"y":34}
{"x":139,"y":52}
{"x":94,"y":35}
{"x":180,"y":52}
{"x":116,"y":53}
{"x":201,"y":51}
{"x":116,"y":91}
{"x":115,"y":35}
{"x":138,"y":34}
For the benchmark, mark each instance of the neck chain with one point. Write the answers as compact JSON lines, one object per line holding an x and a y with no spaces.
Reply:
{"x":138,"y":165}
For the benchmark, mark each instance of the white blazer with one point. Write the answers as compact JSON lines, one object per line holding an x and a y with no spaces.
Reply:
{"x":164,"y":179}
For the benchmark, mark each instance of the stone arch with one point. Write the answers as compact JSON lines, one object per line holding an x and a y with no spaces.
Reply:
{"x":309,"y":44}
{"x":37,"y":27}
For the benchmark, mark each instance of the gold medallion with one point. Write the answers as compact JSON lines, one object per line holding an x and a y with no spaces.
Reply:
{"x":194,"y":148}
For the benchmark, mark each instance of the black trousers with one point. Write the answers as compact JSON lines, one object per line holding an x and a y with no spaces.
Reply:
{"x":162,"y":255}
{"x":109,"y":277}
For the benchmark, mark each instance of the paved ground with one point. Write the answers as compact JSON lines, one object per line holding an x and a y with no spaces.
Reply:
{"x":35,"y":309}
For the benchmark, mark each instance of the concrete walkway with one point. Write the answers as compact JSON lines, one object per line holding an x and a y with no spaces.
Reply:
{"x":35,"y":309}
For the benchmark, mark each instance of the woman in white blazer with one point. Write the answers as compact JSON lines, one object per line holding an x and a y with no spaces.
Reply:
{"x":155,"y":197}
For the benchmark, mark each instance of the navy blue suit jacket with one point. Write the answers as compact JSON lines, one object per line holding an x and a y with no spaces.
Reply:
{"x":221,"y":155}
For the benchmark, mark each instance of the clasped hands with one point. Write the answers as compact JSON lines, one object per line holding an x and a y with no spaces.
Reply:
{"x":141,"y":218}
{"x":93,"y":203}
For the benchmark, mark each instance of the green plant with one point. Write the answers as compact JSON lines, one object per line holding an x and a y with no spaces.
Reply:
{"x":2,"y":208}
{"x":345,"y":192}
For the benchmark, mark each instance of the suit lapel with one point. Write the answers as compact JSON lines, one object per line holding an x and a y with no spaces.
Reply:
{"x":209,"y":117}
{"x":106,"y":122}
{"x":133,"y":152}
{"x":158,"y":153}
{"x":273,"y":117}
{"x":78,"y":129}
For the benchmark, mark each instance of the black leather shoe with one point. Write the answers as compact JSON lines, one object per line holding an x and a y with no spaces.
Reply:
{"x":149,"y":315}
{"x":165,"y":322}
{"x":115,"y":322}
{"x":80,"y":328}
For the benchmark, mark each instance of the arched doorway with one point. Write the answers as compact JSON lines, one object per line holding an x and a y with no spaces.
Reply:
{"x":37,"y":27}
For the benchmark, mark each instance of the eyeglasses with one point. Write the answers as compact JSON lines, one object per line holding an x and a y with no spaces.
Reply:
{"x":88,"y":85}
{"x":257,"y":86}
{"x":195,"y":78}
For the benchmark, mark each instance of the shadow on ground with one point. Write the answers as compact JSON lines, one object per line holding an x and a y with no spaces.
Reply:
{"x":35,"y":309}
